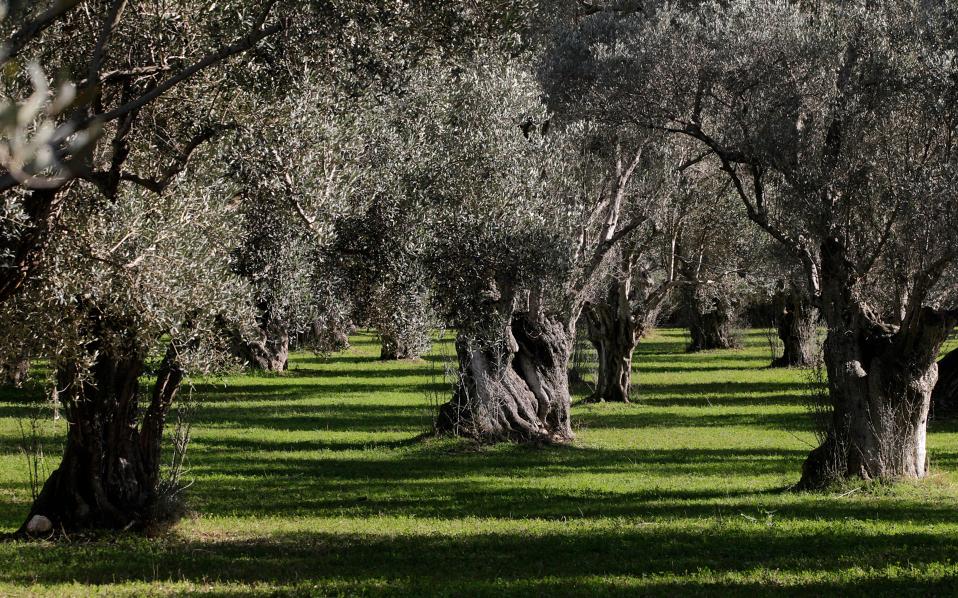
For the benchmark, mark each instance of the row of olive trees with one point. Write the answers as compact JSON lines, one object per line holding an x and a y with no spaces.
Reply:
{"x":835,"y":143}
{"x":833,"y":124}
{"x":138,"y":188}
{"x":416,"y":164}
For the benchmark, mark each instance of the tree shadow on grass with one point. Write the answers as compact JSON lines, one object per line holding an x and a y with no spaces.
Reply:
{"x":655,"y":418}
{"x":658,"y":558}
{"x":521,"y":484}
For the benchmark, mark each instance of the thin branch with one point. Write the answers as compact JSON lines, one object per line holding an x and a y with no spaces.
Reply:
{"x":238,"y":47}
{"x":110,"y":23}
{"x":30,"y":31}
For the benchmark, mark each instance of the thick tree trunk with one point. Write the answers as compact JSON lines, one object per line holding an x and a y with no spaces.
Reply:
{"x":109,"y":473}
{"x":945,"y":396}
{"x":15,"y":373}
{"x":326,"y":335}
{"x":516,"y":390}
{"x":395,"y":346}
{"x":614,"y":333}
{"x":269,"y":352}
{"x":711,"y":323}
{"x":880,"y":381}
{"x":797,"y":329}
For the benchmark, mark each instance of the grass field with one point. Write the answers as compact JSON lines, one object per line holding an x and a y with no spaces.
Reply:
{"x":315,"y":482}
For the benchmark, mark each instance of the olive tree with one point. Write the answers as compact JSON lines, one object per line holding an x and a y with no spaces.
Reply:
{"x":836,"y":138}
{"x":524,"y":210}
{"x":118,"y":286}
{"x":381,"y":256}
{"x":150,"y":252}
{"x":115,"y":60}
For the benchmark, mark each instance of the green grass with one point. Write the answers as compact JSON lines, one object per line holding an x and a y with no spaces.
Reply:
{"x":314,"y":482}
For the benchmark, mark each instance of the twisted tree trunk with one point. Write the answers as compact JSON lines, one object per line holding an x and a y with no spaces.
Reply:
{"x":880,"y":381}
{"x":711,"y":322}
{"x":269,"y":351}
{"x":402,"y":344}
{"x":614,"y":339}
{"x":945,"y":395}
{"x":15,"y":373}
{"x":797,"y":329}
{"x":109,"y":474}
{"x":516,"y":389}
{"x":614,"y":332}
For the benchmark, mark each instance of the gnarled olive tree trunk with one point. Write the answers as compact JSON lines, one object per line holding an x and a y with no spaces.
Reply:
{"x":109,"y":474}
{"x":797,"y":322}
{"x":269,"y":351}
{"x":614,"y":338}
{"x":514,"y":389}
{"x":614,"y":330}
{"x":880,"y":381}
{"x":408,"y":344}
{"x":711,"y":322}
{"x":15,"y":373}
{"x":945,"y":395}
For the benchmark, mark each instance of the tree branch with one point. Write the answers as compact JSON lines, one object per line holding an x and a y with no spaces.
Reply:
{"x":15,"y":44}
{"x":238,"y":47}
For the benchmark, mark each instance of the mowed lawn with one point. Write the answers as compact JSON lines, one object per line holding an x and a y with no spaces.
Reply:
{"x":317,"y":482}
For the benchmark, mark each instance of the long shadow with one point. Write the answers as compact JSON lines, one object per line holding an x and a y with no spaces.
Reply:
{"x":701,"y":388}
{"x":321,"y":417}
{"x":377,"y":373}
{"x":658,"y":419}
{"x":580,"y":562}
{"x":428,"y":483}
{"x":209,"y":393}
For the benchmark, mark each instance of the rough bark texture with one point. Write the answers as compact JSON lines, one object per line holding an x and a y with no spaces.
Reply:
{"x":880,"y":380}
{"x":401,"y":346}
{"x":268,"y":352}
{"x":516,"y":390}
{"x":945,"y":395}
{"x":15,"y":373}
{"x":614,"y":332}
{"x":797,"y":322}
{"x":109,"y":473}
{"x":711,"y":323}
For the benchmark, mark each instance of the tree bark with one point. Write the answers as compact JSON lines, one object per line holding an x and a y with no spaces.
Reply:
{"x":614,"y":332}
{"x":880,"y":381}
{"x":269,"y":352}
{"x":797,"y":329}
{"x":15,"y":373}
{"x":711,"y":323}
{"x":398,"y":346}
{"x":109,"y":474}
{"x":945,"y":396}
{"x":517,"y":389}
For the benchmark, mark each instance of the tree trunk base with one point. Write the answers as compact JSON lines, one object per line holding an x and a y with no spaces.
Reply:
{"x":108,"y":477}
{"x":798,"y":331}
{"x":15,"y":373}
{"x":516,"y":391}
{"x":268,"y":353}
{"x":880,"y":384}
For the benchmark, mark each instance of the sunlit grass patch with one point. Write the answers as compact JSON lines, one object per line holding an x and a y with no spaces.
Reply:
{"x":319,"y":481}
